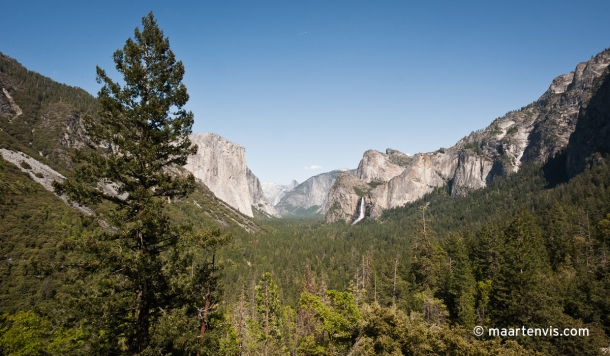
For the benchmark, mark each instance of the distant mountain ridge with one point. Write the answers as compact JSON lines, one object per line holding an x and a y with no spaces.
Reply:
{"x":42,"y":119}
{"x":275,"y":191}
{"x":535,"y":133}
{"x":308,"y":198}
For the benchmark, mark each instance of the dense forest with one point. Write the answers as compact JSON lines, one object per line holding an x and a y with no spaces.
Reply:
{"x":172,"y":270}
{"x":380,"y":287}
{"x":517,"y":253}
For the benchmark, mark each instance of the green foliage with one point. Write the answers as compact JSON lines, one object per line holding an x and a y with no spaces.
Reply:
{"x":514,"y":252}
{"x":374,"y":184}
{"x":39,"y":90}
{"x":23,"y":334}
{"x":521,"y":292}
{"x":25,"y":165}
{"x":35,"y":223}
{"x":475,"y":147}
{"x":461,"y":286}
{"x":484,"y":288}
{"x":144,"y":271}
{"x":49,"y":126}
{"x":428,"y":258}
{"x":486,"y":253}
{"x":339,"y":320}
{"x":47,"y":249}
{"x":300,"y":212}
{"x":514,"y":129}
{"x":269,"y":308}
{"x":359,"y":192}
{"x":432,"y":309}
{"x":29,"y":334}
{"x":400,"y":159}
{"x":526,"y":250}
{"x":389,"y":331}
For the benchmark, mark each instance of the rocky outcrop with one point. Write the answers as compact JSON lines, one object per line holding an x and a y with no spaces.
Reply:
{"x":259,"y":200}
{"x":376,"y":166}
{"x":221,"y":165}
{"x":591,"y":139}
{"x":472,"y":172}
{"x":423,"y":173}
{"x":534,"y":133}
{"x":41,"y":174}
{"x":347,"y":192}
{"x":309,"y":197}
{"x":7,"y":104}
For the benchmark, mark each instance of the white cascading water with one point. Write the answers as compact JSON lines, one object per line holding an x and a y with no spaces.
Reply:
{"x":361,"y":212}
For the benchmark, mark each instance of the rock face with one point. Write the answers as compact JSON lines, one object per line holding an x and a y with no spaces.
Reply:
{"x":376,"y":166}
{"x":259,"y":200}
{"x":309,"y":197}
{"x":51,"y":130}
{"x":591,"y":139}
{"x":346,"y":193}
{"x":7,"y":104}
{"x":275,"y":191}
{"x":221,"y":165}
{"x":41,"y":174}
{"x":534,"y":133}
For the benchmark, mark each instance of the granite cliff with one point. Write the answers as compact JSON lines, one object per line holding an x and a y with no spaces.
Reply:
{"x":259,"y":200}
{"x":591,"y":138}
{"x":221,"y":165}
{"x":534,"y":133}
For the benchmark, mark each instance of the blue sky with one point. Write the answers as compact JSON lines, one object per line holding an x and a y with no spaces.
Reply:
{"x":316,"y":83}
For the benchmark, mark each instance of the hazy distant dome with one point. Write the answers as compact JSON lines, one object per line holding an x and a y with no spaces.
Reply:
{"x":276,"y":191}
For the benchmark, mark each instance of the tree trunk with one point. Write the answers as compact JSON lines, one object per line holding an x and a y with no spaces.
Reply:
{"x":204,"y":321}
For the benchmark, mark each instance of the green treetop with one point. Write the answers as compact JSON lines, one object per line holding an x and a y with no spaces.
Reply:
{"x":137,"y":142}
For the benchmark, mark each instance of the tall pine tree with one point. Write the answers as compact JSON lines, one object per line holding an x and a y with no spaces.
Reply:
{"x":137,"y":142}
{"x":461,"y":285}
{"x":267,"y":296}
{"x":521,"y":295}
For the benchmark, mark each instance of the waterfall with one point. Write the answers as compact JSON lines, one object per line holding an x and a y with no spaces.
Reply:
{"x":362,"y":208}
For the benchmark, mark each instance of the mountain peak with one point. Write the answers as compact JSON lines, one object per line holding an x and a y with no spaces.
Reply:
{"x":534,"y":133}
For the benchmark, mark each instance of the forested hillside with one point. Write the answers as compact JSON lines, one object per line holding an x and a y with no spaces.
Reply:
{"x":529,"y":250}
{"x":459,"y":273}
{"x":45,"y":118}
{"x":56,"y":267}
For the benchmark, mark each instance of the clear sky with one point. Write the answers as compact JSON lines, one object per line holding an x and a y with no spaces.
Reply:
{"x":308,"y":86}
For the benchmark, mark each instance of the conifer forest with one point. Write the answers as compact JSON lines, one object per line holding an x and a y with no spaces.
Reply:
{"x":129,"y":254}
